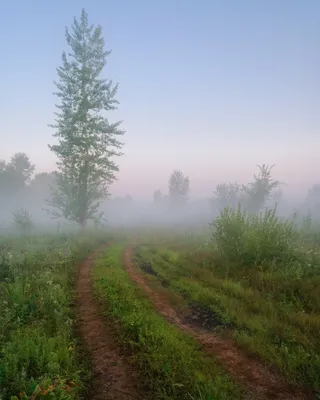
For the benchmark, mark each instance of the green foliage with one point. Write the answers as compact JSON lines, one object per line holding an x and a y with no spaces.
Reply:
{"x":23,"y":221}
{"x":87,"y":141}
{"x":254,"y":239}
{"x":30,"y":354}
{"x":38,"y":354}
{"x":5,"y":271}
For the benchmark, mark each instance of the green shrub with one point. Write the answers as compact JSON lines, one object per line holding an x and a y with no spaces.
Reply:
{"x":254,"y":239}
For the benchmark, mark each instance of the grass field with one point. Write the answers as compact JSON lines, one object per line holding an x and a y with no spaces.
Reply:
{"x":271,"y":315}
{"x":171,"y":362}
{"x":252,"y":286}
{"x":256,"y":279}
{"x":38,"y":350}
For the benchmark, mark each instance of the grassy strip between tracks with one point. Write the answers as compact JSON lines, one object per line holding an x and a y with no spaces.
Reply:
{"x":171,"y":363}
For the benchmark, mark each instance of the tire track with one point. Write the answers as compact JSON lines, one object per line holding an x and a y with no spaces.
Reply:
{"x":257,"y":378}
{"x":114,"y":377}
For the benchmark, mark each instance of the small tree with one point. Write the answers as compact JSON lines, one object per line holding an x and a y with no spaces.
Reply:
{"x":21,"y":163}
{"x":227,"y":195}
{"x":252,"y":196}
{"x":259,"y":191}
{"x":23,"y":221}
{"x":179,"y":186}
{"x":15,"y":175}
{"x":87,"y":141}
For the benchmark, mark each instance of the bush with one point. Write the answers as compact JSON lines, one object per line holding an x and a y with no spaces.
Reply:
{"x":254,"y":239}
{"x":23,"y":221}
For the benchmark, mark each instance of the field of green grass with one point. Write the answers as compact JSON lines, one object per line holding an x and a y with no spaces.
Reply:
{"x":259,"y":285}
{"x":252,"y":280}
{"x":172,"y":365}
{"x":269,"y":316}
{"x":39,"y":355}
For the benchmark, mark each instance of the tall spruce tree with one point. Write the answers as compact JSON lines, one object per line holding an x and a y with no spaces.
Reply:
{"x":87,"y":141}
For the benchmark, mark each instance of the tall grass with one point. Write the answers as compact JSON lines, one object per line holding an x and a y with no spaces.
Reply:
{"x":254,"y":239}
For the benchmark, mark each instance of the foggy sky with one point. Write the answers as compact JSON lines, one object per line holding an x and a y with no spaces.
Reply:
{"x":210,"y":87}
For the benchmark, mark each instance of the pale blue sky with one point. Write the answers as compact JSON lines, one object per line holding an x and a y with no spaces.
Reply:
{"x":209,"y":87}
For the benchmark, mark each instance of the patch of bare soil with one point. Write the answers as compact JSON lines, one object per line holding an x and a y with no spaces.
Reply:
{"x":114,"y":376}
{"x":201,"y":318}
{"x":256,"y":377}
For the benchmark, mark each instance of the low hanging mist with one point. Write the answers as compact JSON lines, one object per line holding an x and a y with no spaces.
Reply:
{"x":25,"y":195}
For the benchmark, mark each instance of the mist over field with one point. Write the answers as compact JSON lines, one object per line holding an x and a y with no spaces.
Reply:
{"x":23,"y":189}
{"x":160,"y":200}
